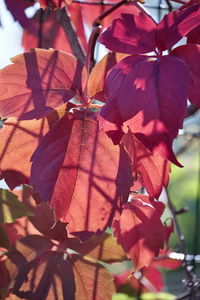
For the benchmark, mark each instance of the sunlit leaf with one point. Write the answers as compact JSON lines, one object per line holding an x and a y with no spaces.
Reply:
{"x":83,"y":176}
{"x":38,"y":82}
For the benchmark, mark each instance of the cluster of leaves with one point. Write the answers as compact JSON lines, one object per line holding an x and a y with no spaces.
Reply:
{"x":84,"y":160}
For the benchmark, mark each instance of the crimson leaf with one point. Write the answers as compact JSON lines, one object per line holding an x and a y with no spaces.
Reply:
{"x":176,"y":25}
{"x":131,"y":34}
{"x":190,"y":55}
{"x":152,"y":97}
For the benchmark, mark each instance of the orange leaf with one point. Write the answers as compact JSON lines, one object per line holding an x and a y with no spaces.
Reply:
{"x":38,"y":82}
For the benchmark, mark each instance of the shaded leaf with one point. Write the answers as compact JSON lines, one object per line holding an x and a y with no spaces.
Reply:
{"x":176,"y":25}
{"x":4,"y":240}
{"x":98,"y":76}
{"x":190,"y":54}
{"x":92,"y":279}
{"x":193,"y":37}
{"x":44,"y":218}
{"x":152,"y":97}
{"x":38,"y":273}
{"x":131,"y":34}
{"x":19,"y":139}
{"x":153,"y":169}
{"x":11,"y":208}
{"x":140,"y":230}
{"x":18,"y":229}
{"x":83,"y":176}
{"x":103,"y":249}
{"x":39,"y":82}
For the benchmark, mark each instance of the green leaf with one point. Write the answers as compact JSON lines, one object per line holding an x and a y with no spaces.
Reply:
{"x":160,"y":296}
{"x":11,"y":208}
{"x":121,"y":296}
{"x":4,"y":241}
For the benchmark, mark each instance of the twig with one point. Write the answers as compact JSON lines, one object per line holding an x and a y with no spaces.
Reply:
{"x":90,"y":61}
{"x":64,"y":20}
{"x":192,"y":283}
{"x":41,"y":20}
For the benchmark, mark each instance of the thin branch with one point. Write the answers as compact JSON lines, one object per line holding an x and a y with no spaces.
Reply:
{"x":181,"y":238}
{"x":64,"y":20}
{"x":90,"y":61}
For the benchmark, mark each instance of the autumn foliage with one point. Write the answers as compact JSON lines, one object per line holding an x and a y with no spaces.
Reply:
{"x":83,"y":164}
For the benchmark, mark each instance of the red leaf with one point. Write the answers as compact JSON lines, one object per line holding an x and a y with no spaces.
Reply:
{"x":164,"y":261}
{"x":190,"y":54}
{"x":140,"y":230}
{"x":84,"y":177}
{"x":193,"y":37}
{"x":92,"y":280}
{"x":39,"y":82}
{"x":152,"y":96}
{"x":153,"y":169}
{"x":132,"y":34}
{"x":176,"y":25}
